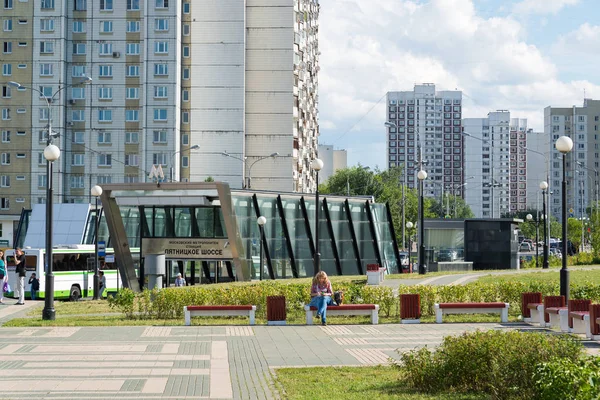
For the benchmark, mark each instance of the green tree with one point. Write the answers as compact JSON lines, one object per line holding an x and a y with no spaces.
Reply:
{"x":456,"y":205}
{"x":574,"y":231}
{"x":209,"y":179}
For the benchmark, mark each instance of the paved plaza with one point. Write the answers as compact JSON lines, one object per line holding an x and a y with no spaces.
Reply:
{"x":196,"y":362}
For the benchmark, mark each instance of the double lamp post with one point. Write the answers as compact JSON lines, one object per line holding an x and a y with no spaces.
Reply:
{"x":51,"y":154}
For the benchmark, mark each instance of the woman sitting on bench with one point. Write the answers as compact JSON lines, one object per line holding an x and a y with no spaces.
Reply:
{"x":321,"y":293}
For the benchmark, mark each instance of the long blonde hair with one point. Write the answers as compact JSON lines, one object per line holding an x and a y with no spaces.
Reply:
{"x":319,"y":275}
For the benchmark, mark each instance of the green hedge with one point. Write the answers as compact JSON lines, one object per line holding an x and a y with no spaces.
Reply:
{"x":567,"y":379}
{"x":168,"y":303}
{"x":501,"y":364}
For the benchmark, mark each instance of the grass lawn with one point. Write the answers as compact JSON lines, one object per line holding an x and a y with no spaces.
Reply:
{"x":577,"y":276}
{"x":350,"y":383}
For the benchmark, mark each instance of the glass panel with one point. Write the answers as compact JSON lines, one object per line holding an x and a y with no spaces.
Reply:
{"x":384,"y":238}
{"x":183,"y":222}
{"x":363,"y":234}
{"x":298,"y":236}
{"x":275,"y":238}
{"x":131,"y":221}
{"x":327,"y":258}
{"x":343,"y":237}
{"x":246,"y":220}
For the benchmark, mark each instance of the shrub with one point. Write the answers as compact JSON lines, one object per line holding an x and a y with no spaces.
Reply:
{"x":123,"y":302}
{"x":501,"y":364}
{"x":566,"y":379}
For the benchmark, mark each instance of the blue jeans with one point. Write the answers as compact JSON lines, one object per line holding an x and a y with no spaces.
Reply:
{"x":321,"y":303}
{"x":33,"y":294}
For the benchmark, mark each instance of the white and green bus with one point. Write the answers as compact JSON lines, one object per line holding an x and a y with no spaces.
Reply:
{"x":73,"y":269}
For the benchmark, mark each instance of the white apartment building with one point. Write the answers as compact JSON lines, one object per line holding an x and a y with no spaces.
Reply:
{"x":174,"y":83}
{"x":431,"y":121}
{"x":333,"y":160}
{"x":538,"y":155}
{"x":583,"y":162}
{"x":496,"y":155}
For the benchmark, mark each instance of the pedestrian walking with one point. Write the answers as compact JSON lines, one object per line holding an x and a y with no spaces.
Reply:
{"x":179,"y":281}
{"x":102,"y":284}
{"x":21,"y":271}
{"x":35,"y":286}
{"x":3,"y":275}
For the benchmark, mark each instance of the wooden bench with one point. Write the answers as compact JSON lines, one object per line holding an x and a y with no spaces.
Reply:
{"x":559,"y":317}
{"x":536,"y":311}
{"x":346,"y":309}
{"x":596,"y":337}
{"x":213,"y":311}
{"x":581,"y":322}
{"x":471,"y":308}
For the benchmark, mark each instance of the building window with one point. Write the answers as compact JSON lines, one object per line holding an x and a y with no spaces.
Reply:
{"x":186,"y":30}
{"x":78,"y":26}
{"x":46,"y":25}
{"x":8,"y":4}
{"x":5,"y":158}
{"x":104,"y":115}
{"x":159,"y":137}
{"x":161,"y":47}
{"x":104,"y":137}
{"x":106,"y":5}
{"x":131,"y":179}
{"x":161,"y":24}
{"x":6,"y":92}
{"x":46,"y":70}
{"x":133,"y":49}
{"x":4,"y":203}
{"x":132,"y":137}
{"x":161,"y":69}
{"x":186,"y":73}
{"x":105,"y":93}
{"x":7,"y":25}
{"x":162,"y":3}
{"x":79,"y":48}
{"x":160,"y":114}
{"x":132,"y":93}
{"x":185,"y":117}
{"x":132,"y":115}
{"x":105,"y":71}
{"x":105,"y":49}
{"x":106,"y":26}
{"x":80,"y":5}
{"x":185,"y":162}
{"x":77,"y":159}
{"x":5,"y":136}
{"x":186,"y":51}
{"x":133,"y":70}
{"x":133,"y":26}
{"x":132,"y":160}
{"x":6,"y":114}
{"x":186,"y":8}
{"x":104,"y":160}
{"x":160,"y":92}
{"x":133,"y":5}
{"x":77,"y":182}
{"x":159,"y":159}
{"x":7,"y":48}
{"x":78,"y":137}
{"x":78,"y":115}
{"x":6,"y":69}
{"x":46,"y":47}
{"x":185,"y":95}
{"x":47,"y":4}
{"x":78,"y":71}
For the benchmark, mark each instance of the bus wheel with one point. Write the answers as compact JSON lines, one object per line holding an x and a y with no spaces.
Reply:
{"x":75,"y":293}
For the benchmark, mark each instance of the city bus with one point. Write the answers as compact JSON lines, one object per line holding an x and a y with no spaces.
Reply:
{"x":73,"y":269}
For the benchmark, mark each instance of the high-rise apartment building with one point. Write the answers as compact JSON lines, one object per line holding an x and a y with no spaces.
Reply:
{"x":174,"y":83}
{"x":496,"y":155}
{"x":581,"y":125}
{"x":430,"y":122}
{"x":333,"y":160}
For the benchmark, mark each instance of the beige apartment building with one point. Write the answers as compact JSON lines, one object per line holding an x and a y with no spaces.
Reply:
{"x":227,"y":90}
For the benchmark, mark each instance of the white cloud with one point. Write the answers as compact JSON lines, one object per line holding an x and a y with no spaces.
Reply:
{"x":542,"y":6}
{"x":386,"y":45}
{"x":584,"y":41}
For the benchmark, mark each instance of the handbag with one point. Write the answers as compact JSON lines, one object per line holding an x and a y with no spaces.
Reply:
{"x":338,"y":297}
{"x":6,"y":287}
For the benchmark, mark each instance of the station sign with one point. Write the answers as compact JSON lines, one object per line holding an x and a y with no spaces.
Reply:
{"x":101,"y":249}
{"x":188,"y":248}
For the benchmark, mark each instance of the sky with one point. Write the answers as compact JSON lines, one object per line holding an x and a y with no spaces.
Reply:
{"x":517,"y":55}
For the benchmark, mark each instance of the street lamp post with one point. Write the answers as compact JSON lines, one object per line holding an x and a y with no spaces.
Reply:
{"x":537,"y":233}
{"x":544,"y":187}
{"x":409,"y":226}
{"x":317,"y":165}
{"x":421,"y":175}
{"x":51,"y":154}
{"x":564,"y":144}
{"x":249,"y":167}
{"x":171,"y":171}
{"x":96,"y":192}
{"x":261,"y":221}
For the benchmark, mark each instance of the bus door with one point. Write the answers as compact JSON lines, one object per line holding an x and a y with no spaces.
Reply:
{"x":88,"y":277}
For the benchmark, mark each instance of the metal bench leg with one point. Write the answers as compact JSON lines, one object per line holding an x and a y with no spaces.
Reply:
{"x":188,"y":319}
{"x":252,"y":317}
{"x":375,"y":317}
{"x":438,"y":314}
{"x":563,"y":316}
{"x":504,"y":314}
{"x":309,"y":317}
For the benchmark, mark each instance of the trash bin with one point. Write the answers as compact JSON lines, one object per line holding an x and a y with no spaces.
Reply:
{"x":373,"y":274}
{"x":276,"y":314}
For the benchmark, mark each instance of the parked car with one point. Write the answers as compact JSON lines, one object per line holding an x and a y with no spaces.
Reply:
{"x":525,"y":246}
{"x":447,"y":255}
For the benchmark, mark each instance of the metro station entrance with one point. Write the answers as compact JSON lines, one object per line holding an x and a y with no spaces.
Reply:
{"x":197,"y":272}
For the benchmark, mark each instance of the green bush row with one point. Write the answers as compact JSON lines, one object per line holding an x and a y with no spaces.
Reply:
{"x":168,"y":303}
{"x":500,"y":364}
{"x":577,"y":259}
{"x":566,"y":379}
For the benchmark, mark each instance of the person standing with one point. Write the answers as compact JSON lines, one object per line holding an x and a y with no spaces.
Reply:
{"x":102,"y":284}
{"x":3,"y":275}
{"x":35,"y":286}
{"x":21,"y":271}
{"x":179,"y":281}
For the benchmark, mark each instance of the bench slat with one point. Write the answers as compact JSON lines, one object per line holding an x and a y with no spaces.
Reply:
{"x":534,"y":306}
{"x":220,"y":308}
{"x":472,"y":305}
{"x":348,"y":307}
{"x":554,"y":310}
{"x":578,"y":314}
